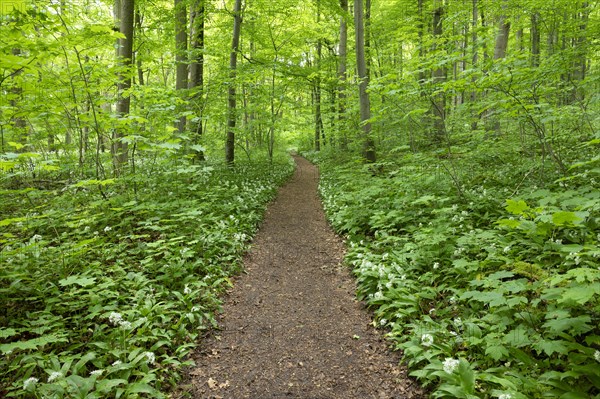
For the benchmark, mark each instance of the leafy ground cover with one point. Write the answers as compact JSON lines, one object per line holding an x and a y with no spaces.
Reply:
{"x":482,"y":272}
{"x":105,"y":285}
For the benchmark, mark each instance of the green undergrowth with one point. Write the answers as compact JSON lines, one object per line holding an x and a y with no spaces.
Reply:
{"x":105,"y":289}
{"x":484,"y":275}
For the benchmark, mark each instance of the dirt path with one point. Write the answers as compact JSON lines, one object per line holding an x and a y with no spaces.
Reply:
{"x":291,"y":327}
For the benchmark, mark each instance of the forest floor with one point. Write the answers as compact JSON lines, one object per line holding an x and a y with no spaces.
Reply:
{"x":292,"y":327}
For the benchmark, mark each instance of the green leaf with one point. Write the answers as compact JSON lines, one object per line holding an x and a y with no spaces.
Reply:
{"x":77,"y":280}
{"x":32,"y":343}
{"x":550,"y":347}
{"x":564,"y":218}
{"x":8,"y":332}
{"x":581,"y":294}
{"x":517,"y":207}
{"x":577,"y":325}
{"x":497,"y":352}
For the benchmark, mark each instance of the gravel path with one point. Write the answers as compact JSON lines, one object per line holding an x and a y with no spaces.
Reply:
{"x":291,"y":327}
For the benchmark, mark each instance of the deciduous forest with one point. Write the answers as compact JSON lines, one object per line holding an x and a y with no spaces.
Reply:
{"x":458,"y":148}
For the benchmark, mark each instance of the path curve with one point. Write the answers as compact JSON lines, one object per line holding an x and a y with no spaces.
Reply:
{"x":291,"y":327}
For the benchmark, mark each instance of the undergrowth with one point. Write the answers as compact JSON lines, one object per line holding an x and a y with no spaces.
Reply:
{"x":485,"y":275}
{"x":105,"y":289}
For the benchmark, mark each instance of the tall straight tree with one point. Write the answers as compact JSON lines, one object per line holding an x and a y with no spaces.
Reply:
{"x":181,"y":39}
{"x":438,"y":101}
{"x":124,"y":58}
{"x":196,"y":83}
{"x":317,"y":88}
{"x":363,"y":95}
{"x":231,"y":94}
{"x":342,"y":72}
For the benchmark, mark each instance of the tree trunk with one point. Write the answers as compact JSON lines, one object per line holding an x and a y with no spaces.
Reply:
{"x":502,"y":37}
{"x":232,"y":111}
{"x":438,"y":102}
{"x":342,"y":72}
{"x":18,"y":122}
{"x":181,"y":77}
{"x":361,"y":66}
{"x":198,"y":16}
{"x":535,"y":39}
{"x":125,"y":53}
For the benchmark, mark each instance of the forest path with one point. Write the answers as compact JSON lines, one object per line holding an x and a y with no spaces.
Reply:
{"x":291,"y":327}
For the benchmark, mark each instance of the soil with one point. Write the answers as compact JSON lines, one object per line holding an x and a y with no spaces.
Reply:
{"x":292,"y":327}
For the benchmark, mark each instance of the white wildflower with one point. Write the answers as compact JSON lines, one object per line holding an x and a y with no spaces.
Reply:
{"x":55,"y":375}
{"x":107,"y":229}
{"x":436,"y":265}
{"x":187,"y":290}
{"x":597,"y":356}
{"x":383,"y":322}
{"x":458,"y":322}
{"x":452,"y":300}
{"x":427,"y":339}
{"x":505,"y":396}
{"x":125,"y":325}
{"x":29,"y":383}
{"x":150,"y":357}
{"x":96,"y":373}
{"x":115,"y":318}
{"x":36,"y":238}
{"x":450,"y":365}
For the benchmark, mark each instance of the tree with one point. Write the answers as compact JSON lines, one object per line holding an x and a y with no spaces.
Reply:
{"x":196,"y":83}
{"x":124,"y":58}
{"x":181,"y":39}
{"x":342,"y":74}
{"x":231,"y":93}
{"x":438,"y":101}
{"x":363,"y":96}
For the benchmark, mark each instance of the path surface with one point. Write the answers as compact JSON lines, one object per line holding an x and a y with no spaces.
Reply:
{"x":291,"y":327}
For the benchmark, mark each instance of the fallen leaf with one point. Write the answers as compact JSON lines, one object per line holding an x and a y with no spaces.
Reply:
{"x":212,"y":384}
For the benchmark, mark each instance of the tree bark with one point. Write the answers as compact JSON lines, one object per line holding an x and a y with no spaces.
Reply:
{"x":535,"y":39}
{"x":502,"y":37}
{"x":181,"y":76}
{"x":232,"y":111}
{"x":365,"y":106}
{"x":439,"y":76}
{"x":196,"y":83}
{"x":342,"y":75}
{"x":125,"y":54}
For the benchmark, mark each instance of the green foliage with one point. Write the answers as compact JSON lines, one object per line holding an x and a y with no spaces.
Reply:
{"x":504,"y":293}
{"x":105,"y":293}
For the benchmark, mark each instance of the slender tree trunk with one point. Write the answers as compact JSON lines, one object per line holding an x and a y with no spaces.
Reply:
{"x":232,"y":111}
{"x":125,"y":53}
{"x":439,"y":76}
{"x":421,"y":32}
{"x":361,"y":66}
{"x":342,"y":75}
{"x":18,"y":122}
{"x":196,"y":84}
{"x":181,"y":77}
{"x":580,"y":43}
{"x":502,"y":38}
{"x":367,"y":17}
{"x":535,"y":39}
